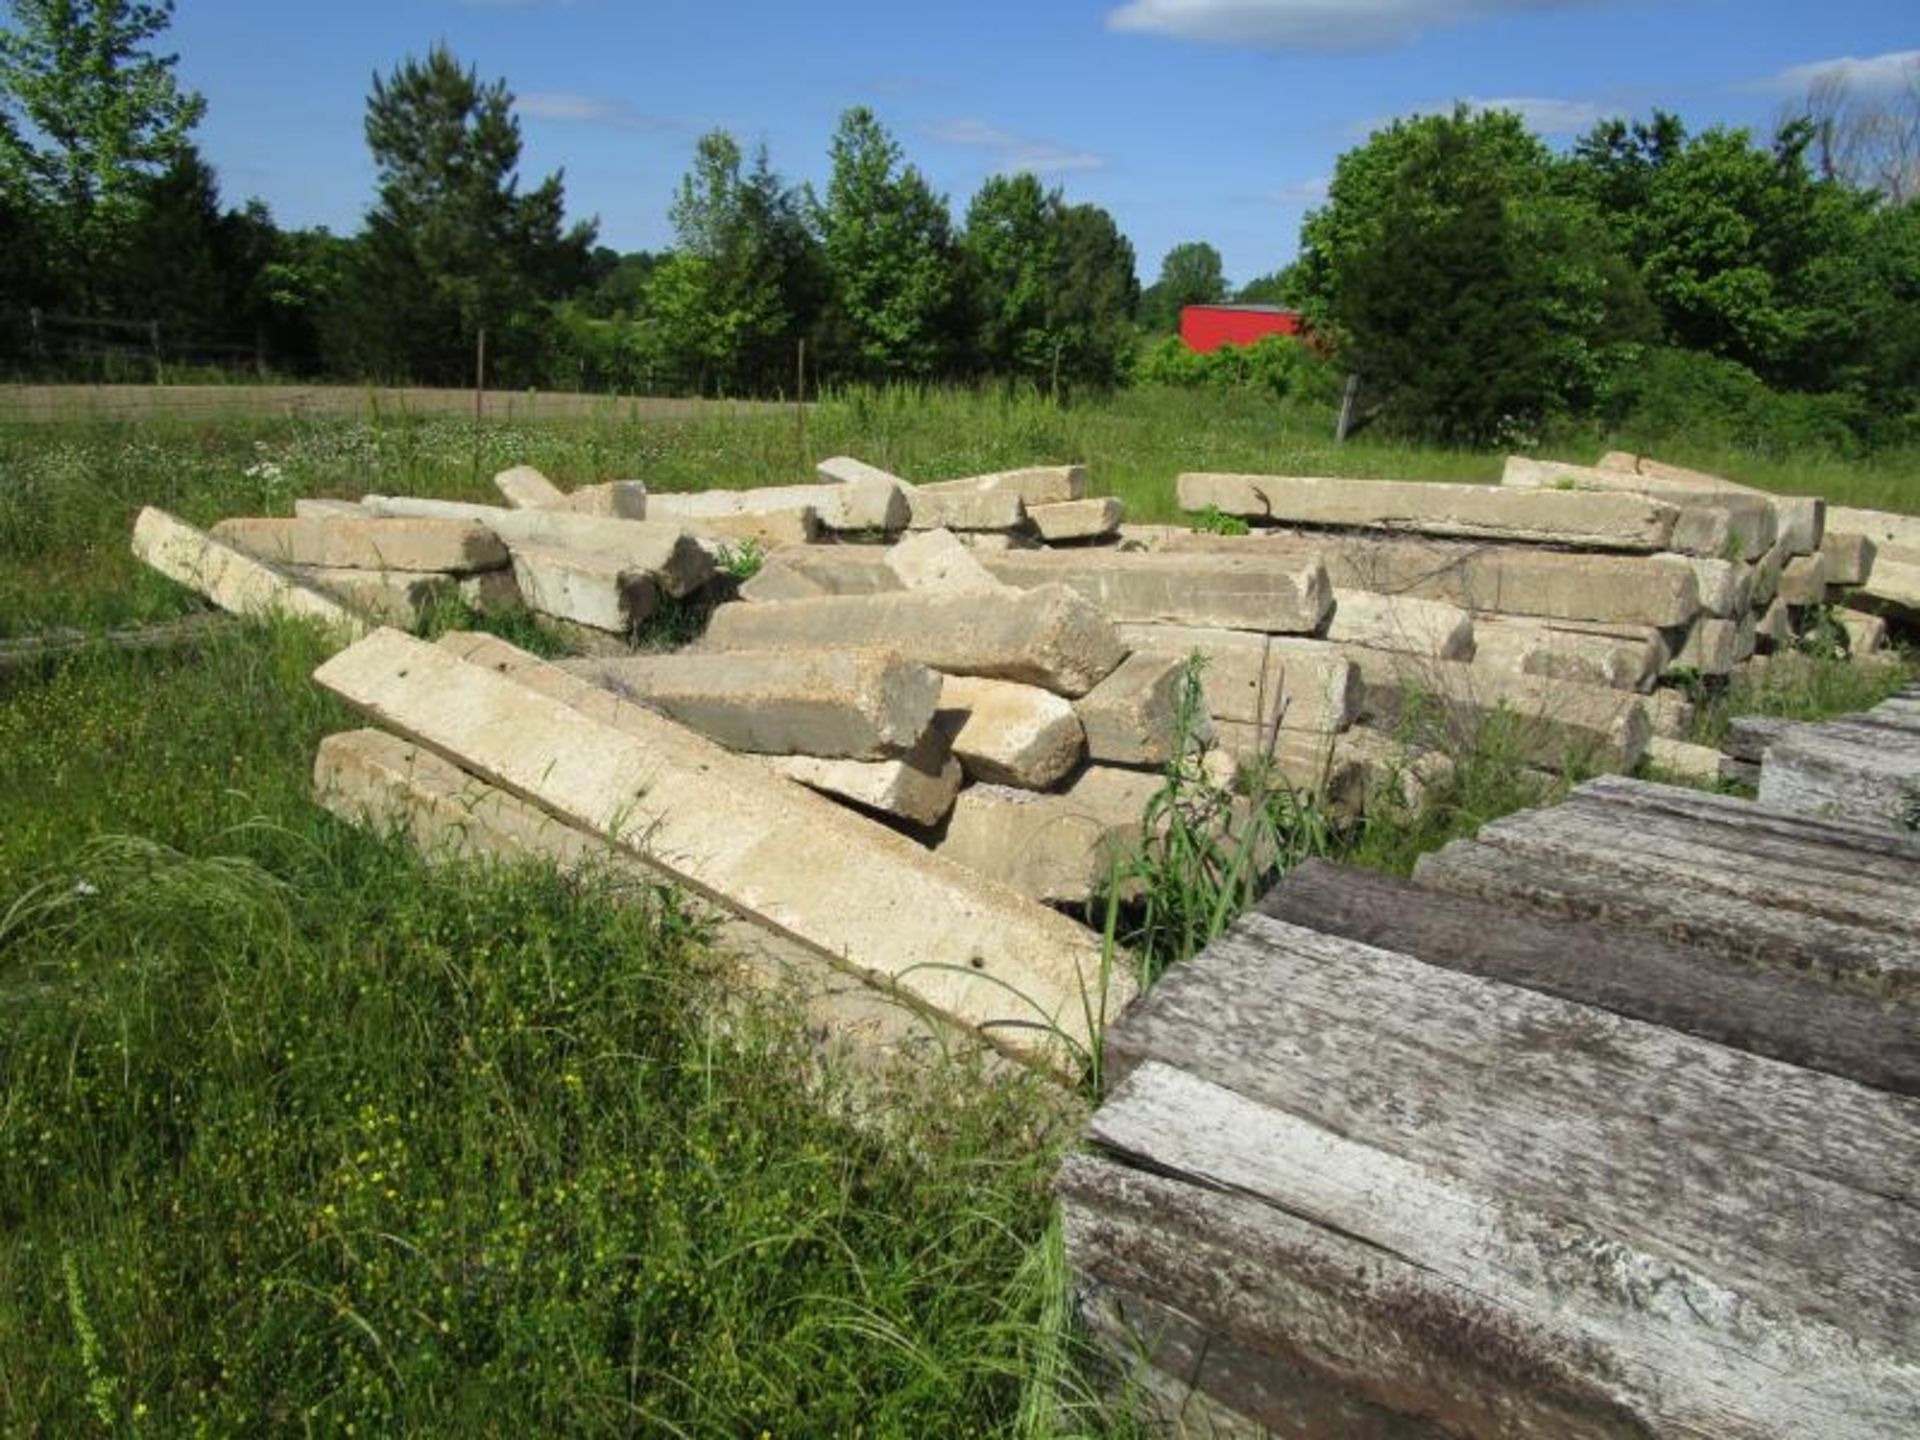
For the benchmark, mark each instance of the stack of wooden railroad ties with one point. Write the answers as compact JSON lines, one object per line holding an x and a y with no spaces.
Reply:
{"x":972,"y":686}
{"x":1605,"y":1124}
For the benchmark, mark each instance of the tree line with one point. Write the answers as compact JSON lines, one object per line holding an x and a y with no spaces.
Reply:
{"x":1480,"y":283}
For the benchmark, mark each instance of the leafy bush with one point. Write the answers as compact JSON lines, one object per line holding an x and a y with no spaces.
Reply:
{"x":1273,"y":364}
{"x":1672,"y":392}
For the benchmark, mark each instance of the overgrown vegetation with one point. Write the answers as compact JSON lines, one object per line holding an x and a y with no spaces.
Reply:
{"x":298,"y":1132}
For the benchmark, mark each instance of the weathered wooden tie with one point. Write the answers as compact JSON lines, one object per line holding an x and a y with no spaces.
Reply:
{"x":1554,"y":1142}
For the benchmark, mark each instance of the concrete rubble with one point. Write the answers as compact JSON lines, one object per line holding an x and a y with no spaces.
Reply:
{"x":916,"y":716}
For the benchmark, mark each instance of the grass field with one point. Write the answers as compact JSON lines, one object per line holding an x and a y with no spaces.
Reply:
{"x":300,"y":1134}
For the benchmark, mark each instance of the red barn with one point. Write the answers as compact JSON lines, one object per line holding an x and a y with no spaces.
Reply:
{"x":1206,"y":328}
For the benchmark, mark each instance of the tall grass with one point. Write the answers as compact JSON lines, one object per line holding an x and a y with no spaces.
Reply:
{"x":299,"y":1132}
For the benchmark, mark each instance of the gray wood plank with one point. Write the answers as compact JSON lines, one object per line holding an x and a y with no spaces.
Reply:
{"x":1633,"y":1334}
{"x":1203,"y":1385}
{"x":1648,"y":797}
{"x":1770,"y":1180}
{"x":1784,"y":1017}
{"x":1808,"y":880}
{"x":1860,"y":773}
{"x":1400,"y":1337}
{"x":1865,"y":960}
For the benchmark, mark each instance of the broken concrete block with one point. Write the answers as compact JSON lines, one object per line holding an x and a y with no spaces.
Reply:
{"x":1726,"y":586}
{"x":1801,"y":518}
{"x":1035,"y":484}
{"x":1895,"y":580}
{"x":965,"y":510}
{"x":584,"y":586}
{"x":613,"y":500}
{"x":231,"y":578}
{"x":1008,"y":734}
{"x":845,"y":470}
{"x":369,"y":777}
{"x":936,"y":560}
{"x":390,"y":597}
{"x":1849,"y":558}
{"x":1061,"y":848}
{"x":1710,"y":646}
{"x":1866,"y":634}
{"x":1133,"y":716}
{"x":1280,"y":594}
{"x":1620,"y":657}
{"x":1883,"y":527}
{"x":1549,"y":721}
{"x":833,"y":704}
{"x":1774,"y":630}
{"x":1716,"y":522}
{"x":918,"y":787}
{"x":1671,"y":714}
{"x":1701,"y":764}
{"x":866,"y":899}
{"x":1480,"y":512}
{"x":1764,"y":588}
{"x":857,"y":496}
{"x":1260,"y":680}
{"x":769,"y":532}
{"x":1804,"y":580}
{"x":1050,"y":637}
{"x":663,"y":550}
{"x":525,"y":488}
{"x":1658,"y":590}
{"x":1398,"y":622}
{"x":339,"y":542}
{"x":1077,"y":519}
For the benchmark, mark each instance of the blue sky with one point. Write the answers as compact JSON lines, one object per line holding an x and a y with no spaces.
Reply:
{"x":1188,"y":119}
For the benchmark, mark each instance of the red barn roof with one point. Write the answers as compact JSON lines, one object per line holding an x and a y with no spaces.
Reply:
{"x":1206,"y":328}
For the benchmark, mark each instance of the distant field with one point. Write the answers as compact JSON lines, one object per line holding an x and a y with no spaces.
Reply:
{"x":41,"y":404}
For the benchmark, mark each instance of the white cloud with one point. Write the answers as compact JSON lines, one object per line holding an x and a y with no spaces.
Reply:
{"x":567,"y":105}
{"x":1313,"y":25}
{"x":1876,"y":74}
{"x":1013,"y":153}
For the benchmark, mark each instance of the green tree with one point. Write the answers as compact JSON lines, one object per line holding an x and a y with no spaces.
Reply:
{"x":452,"y":247}
{"x":90,"y":116}
{"x":725,"y":309}
{"x":1387,"y":274}
{"x":1191,"y":274}
{"x":890,"y":258}
{"x":1095,"y":293}
{"x":1273,"y":289}
{"x":1745,"y":252}
{"x":1011,"y":250}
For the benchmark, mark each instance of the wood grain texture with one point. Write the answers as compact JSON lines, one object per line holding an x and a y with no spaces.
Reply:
{"x":1201,"y":1385}
{"x":1613,"y":1331}
{"x":1783,"y":1017}
{"x":1814,"y":881}
{"x":1750,"y":820}
{"x":1865,"y":770}
{"x":1773,"y":1180}
{"x":1750,"y":931}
